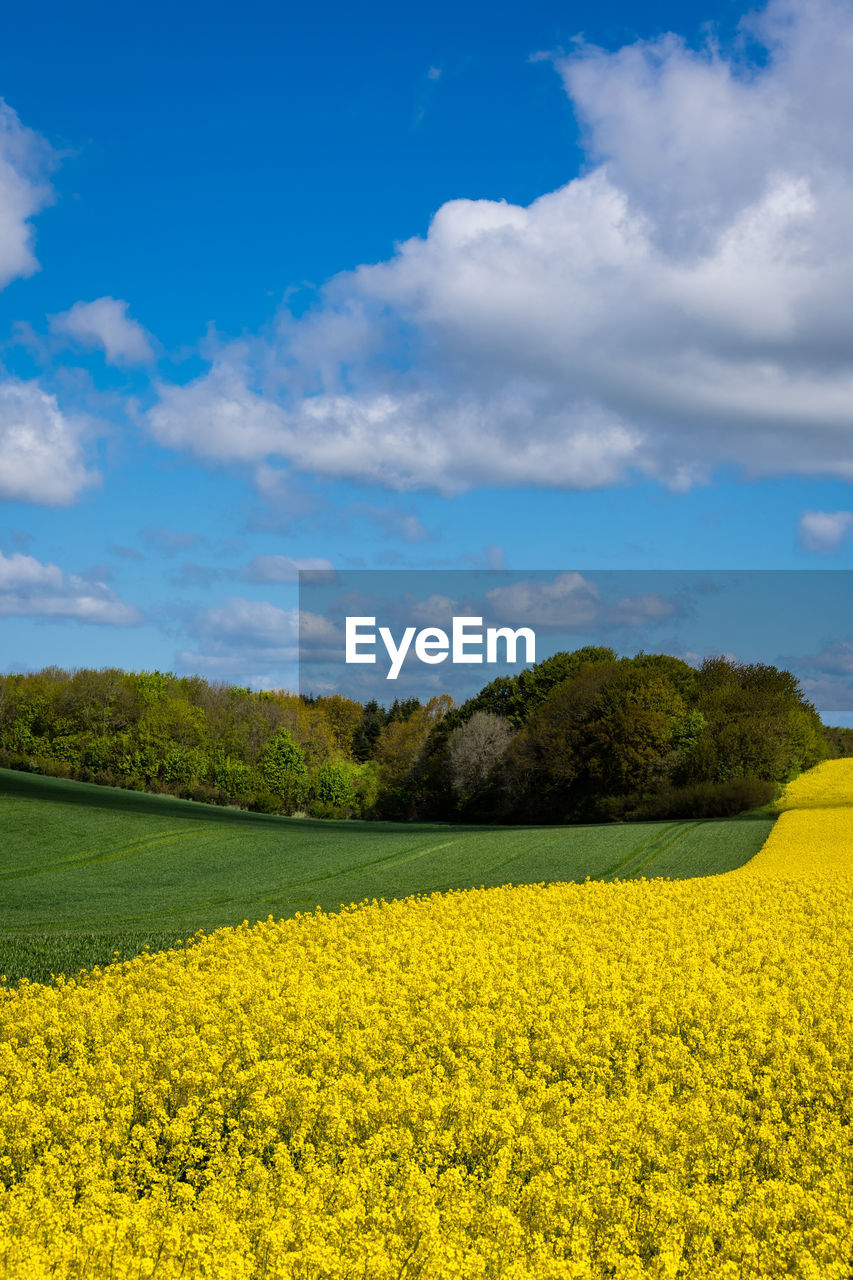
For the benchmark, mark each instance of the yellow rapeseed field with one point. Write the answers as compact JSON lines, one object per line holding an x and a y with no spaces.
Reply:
{"x":599,"y":1080}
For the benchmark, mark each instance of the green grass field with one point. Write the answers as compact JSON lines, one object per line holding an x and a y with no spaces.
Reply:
{"x":87,"y":871}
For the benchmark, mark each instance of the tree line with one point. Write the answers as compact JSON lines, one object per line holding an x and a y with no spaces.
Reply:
{"x":583,"y":736}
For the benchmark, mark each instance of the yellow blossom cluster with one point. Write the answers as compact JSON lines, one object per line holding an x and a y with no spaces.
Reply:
{"x":638,"y":1079}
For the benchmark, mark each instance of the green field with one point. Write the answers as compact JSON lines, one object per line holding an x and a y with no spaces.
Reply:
{"x":86,"y":871}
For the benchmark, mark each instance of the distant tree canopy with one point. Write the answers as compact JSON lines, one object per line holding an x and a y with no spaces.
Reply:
{"x":584,"y":735}
{"x":839,"y":741}
{"x":515,"y":697}
{"x":626,"y":728}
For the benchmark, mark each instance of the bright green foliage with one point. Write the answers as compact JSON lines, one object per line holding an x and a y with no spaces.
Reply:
{"x":334,"y":784}
{"x":233,"y":776}
{"x":688,"y":731}
{"x":86,"y":869}
{"x":281,"y":762}
{"x":181,"y":766}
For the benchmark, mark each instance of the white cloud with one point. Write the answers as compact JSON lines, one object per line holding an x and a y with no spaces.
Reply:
{"x":573,"y":602}
{"x":105,"y":323}
{"x":31,"y":588}
{"x":25,"y":159}
{"x":403,"y":439}
{"x":252,"y":622}
{"x":828,"y":678}
{"x":168,"y":541}
{"x":281,"y":568}
{"x":393,"y":521}
{"x":681,"y":306}
{"x":644,"y":610}
{"x":834,"y":659}
{"x":564,"y":602}
{"x":824,"y":531}
{"x":254,"y":641}
{"x":568,"y":600}
{"x":241,"y":635}
{"x":41,"y":454}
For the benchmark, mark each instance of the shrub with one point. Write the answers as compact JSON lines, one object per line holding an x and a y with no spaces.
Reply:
{"x":54,"y":768}
{"x":281,"y":761}
{"x":321,"y":809}
{"x":333,"y":786}
{"x":265,"y":802}
{"x":202,"y":793}
{"x":21,"y":763}
{"x":706,"y":799}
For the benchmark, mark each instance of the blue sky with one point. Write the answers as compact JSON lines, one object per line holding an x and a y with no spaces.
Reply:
{"x":556,"y":286}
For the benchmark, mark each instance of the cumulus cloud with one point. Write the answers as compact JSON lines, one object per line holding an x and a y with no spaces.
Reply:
{"x":824,"y":531}
{"x":30,"y":588}
{"x":827,"y":678}
{"x":834,"y":659}
{"x":403,"y":439}
{"x":281,"y":568}
{"x":25,"y":160}
{"x":41,"y":448}
{"x":252,"y":624}
{"x":393,"y":521}
{"x":105,"y":323}
{"x":493,"y":556}
{"x":41,"y":454}
{"x":565,"y":602}
{"x":168,"y":541}
{"x":571,"y":602}
{"x":682,"y":305}
{"x":252,"y":640}
{"x":242,"y":638}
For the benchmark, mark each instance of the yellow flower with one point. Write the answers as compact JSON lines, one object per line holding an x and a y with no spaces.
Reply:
{"x":637,"y":1079}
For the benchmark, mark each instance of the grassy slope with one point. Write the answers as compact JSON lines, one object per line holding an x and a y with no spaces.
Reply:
{"x":88,"y":870}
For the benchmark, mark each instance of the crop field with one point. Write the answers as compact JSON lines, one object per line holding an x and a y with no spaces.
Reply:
{"x":626,"y":1079}
{"x":86,"y":871}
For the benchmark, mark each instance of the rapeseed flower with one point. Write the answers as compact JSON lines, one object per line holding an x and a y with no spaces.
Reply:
{"x":636,"y":1079}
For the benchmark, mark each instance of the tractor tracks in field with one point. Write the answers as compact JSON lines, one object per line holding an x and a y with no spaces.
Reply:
{"x":144,"y":845}
{"x":631,"y":864}
{"x":630,"y":867}
{"x":392,"y":859}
